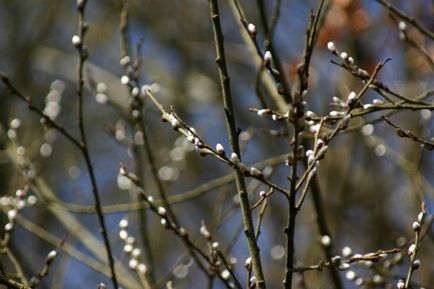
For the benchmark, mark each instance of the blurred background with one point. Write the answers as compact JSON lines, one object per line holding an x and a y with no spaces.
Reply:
{"x":371,"y":181}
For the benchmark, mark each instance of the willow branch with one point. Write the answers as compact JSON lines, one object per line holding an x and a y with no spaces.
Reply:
{"x":82,"y":52}
{"x":233,"y":138}
{"x":425,"y":31}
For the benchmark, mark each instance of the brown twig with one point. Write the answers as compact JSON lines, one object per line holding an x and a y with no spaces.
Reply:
{"x":425,"y":31}
{"x":83,"y":55}
{"x":279,"y":75}
{"x":425,"y":144}
{"x":377,"y":86}
{"x":343,"y":264}
{"x":228,"y":267}
{"x":45,"y":118}
{"x":269,"y":45}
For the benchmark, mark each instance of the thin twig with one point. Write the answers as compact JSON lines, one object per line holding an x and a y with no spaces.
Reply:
{"x":18,"y":270}
{"x":425,"y":31}
{"x":179,"y":125}
{"x":338,"y":262}
{"x":260,"y":218}
{"x":428,"y":145}
{"x":82,"y":53}
{"x":227,"y":266}
{"x":69,"y":249}
{"x":269,"y":45}
{"x":257,"y":56}
{"x":137,"y":118}
{"x":8,"y":282}
{"x":378,"y":86}
{"x":45,"y":118}
{"x":35,"y":281}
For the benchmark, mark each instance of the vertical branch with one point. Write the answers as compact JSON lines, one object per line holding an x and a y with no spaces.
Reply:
{"x":414,"y":247}
{"x":292,"y":210}
{"x":267,"y":78}
{"x":233,"y":138}
{"x":123,"y":27}
{"x":136,"y":148}
{"x":269,"y":32}
{"x":297,"y":112}
{"x":283,"y":88}
{"x":8,"y":282}
{"x":138,"y":119}
{"x":82,"y":51}
{"x":154,"y":171}
{"x":309,"y":46}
